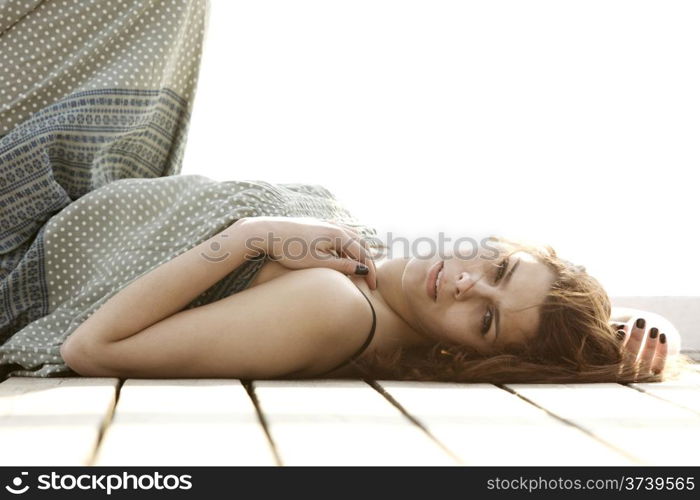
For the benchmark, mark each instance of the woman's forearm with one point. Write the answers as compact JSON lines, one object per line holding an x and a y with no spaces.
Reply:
{"x":168,"y":288}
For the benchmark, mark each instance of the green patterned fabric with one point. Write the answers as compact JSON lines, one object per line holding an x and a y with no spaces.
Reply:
{"x":95,"y":101}
{"x":116,"y":233}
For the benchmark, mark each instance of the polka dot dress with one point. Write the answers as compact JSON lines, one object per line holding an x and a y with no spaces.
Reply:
{"x":95,"y":101}
{"x":51,"y":50}
{"x":90,"y":92}
{"x":113,"y":235}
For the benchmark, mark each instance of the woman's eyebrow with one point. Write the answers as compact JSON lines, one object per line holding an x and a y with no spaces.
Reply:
{"x":506,"y":279}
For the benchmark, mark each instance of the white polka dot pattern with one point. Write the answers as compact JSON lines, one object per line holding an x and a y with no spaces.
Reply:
{"x":111,"y":236}
{"x":90,"y":92}
{"x":52,"y":49}
{"x":95,"y":100}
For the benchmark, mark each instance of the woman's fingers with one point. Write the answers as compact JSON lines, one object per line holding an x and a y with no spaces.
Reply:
{"x":657,"y":365}
{"x":619,"y":326}
{"x":355,"y":234}
{"x":648,"y":351}
{"x":369,"y":262}
{"x":352,"y":248}
{"x":634,"y":342}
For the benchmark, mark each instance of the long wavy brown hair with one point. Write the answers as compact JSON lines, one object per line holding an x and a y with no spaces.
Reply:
{"x":575,"y":342}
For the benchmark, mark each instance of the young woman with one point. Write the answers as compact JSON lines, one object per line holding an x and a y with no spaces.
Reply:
{"x":104,"y":212}
{"x":505,"y":313}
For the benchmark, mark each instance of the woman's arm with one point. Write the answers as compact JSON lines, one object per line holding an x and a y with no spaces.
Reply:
{"x":300,"y":324}
{"x":167,"y":288}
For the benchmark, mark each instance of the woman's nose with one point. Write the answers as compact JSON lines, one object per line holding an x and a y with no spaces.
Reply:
{"x":464,"y":284}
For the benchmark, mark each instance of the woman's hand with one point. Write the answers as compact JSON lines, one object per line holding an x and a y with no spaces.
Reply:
{"x":301,"y":242}
{"x":648,"y":341}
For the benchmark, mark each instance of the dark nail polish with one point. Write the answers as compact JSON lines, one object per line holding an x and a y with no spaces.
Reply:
{"x":361,"y":269}
{"x":640,"y":323}
{"x":662,"y":338}
{"x":619,"y":327}
{"x":621,"y":334}
{"x":653,"y":332}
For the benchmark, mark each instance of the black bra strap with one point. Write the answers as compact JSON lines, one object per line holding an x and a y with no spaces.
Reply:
{"x":368,"y":340}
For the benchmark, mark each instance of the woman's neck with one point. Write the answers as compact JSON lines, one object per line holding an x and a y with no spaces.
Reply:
{"x":395,"y":320}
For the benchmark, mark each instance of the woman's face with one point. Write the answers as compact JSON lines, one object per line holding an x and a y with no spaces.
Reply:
{"x":485,"y":300}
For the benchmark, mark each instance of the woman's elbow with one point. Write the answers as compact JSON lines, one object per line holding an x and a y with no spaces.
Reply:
{"x":81,"y":357}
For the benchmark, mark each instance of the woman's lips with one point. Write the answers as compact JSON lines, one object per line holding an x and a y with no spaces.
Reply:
{"x":430,"y":282}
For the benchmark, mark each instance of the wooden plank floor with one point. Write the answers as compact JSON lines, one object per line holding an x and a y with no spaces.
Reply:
{"x":107,"y":421}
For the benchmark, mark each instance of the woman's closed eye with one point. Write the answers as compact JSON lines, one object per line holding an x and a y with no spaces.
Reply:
{"x":488,"y":316}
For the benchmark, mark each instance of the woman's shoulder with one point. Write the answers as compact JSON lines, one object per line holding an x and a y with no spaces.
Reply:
{"x":324,"y":278}
{"x":339,"y":315}
{"x":322,"y":285}
{"x":349,"y":318}
{"x":335,"y":288}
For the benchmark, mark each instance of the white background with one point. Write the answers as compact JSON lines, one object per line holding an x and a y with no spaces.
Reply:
{"x":569,"y":123}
